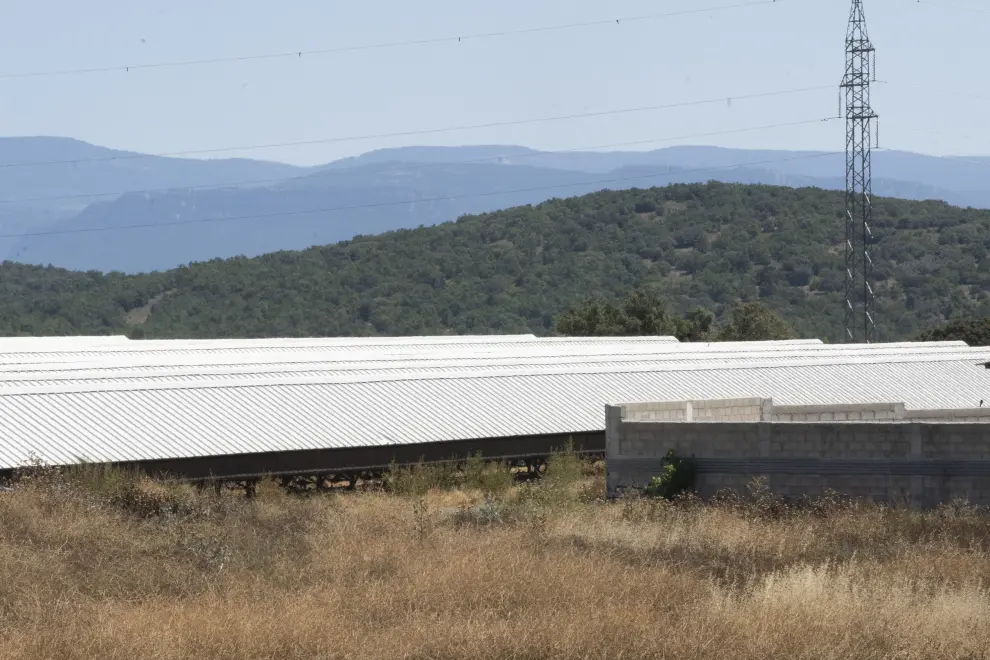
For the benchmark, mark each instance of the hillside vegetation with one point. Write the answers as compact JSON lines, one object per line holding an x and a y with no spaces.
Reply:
{"x":708,"y":246}
{"x":642,"y":313}
{"x":975,"y":332}
{"x":112,"y":566}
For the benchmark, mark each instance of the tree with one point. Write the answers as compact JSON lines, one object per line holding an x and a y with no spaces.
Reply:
{"x":642,"y":313}
{"x":755,"y":322}
{"x":593,"y":318}
{"x":645,"y":313}
{"x":698,"y":325}
{"x":975,"y":332}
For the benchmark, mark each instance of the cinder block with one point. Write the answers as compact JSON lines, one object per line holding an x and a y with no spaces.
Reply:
{"x":732,"y":431}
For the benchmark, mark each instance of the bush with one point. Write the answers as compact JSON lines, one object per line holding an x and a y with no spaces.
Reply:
{"x":475,"y":473}
{"x":417,"y":480}
{"x":564,"y":468}
{"x":124,"y":490}
{"x":489,"y":478}
{"x":676,"y":480}
{"x":799,"y":276}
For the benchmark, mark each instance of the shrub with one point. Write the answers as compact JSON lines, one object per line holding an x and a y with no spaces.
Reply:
{"x":417,"y":480}
{"x":475,"y":473}
{"x":677,"y":478}
{"x":489,"y":478}
{"x":564,"y":467}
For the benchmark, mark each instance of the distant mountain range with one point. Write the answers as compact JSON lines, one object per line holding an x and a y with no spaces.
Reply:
{"x":88,"y":208}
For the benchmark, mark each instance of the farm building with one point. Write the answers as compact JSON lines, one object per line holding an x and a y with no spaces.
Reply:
{"x":237,"y":409}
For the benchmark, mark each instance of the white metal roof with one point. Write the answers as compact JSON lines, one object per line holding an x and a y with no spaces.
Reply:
{"x":455,"y":369}
{"x":136,"y":348}
{"x":447,"y":363}
{"x":441,"y":340}
{"x":72,"y":343}
{"x":170,"y":421}
{"x":181,"y":399}
{"x":342,"y":341}
{"x":544,"y":349}
{"x":60,"y":342}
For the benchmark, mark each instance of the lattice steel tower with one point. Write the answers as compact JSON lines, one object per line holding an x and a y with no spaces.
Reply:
{"x":860,"y":303}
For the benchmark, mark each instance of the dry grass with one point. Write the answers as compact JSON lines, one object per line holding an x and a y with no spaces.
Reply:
{"x":113,"y":566}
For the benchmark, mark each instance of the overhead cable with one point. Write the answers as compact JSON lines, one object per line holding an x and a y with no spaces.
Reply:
{"x":426,"y":131}
{"x":297,"y":54}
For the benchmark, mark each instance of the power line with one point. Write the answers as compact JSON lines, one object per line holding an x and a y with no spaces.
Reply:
{"x":934,"y":131}
{"x":408,"y":168}
{"x":949,"y":5}
{"x":427,"y":131}
{"x":929,"y":90}
{"x":955,"y":159}
{"x":296,"y":54}
{"x":445,"y":198}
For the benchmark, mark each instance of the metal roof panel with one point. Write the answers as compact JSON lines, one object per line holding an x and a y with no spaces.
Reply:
{"x":172,"y":422}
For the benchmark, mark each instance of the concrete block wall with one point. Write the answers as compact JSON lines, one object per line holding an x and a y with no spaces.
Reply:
{"x":755,"y":409}
{"x":960,"y":415}
{"x":731,"y":410}
{"x":869,"y":412}
{"x":671,"y":411}
{"x":737,"y":410}
{"x":894,"y":461}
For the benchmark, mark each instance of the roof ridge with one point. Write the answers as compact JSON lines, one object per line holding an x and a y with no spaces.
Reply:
{"x":468,"y":364}
{"x":297,"y":381}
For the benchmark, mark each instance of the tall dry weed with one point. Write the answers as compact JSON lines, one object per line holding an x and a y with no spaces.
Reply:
{"x":534,"y":571}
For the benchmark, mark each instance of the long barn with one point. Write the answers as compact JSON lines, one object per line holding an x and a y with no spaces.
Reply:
{"x":238,"y":409}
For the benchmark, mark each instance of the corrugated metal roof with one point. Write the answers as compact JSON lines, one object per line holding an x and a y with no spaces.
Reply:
{"x":213,"y":397}
{"x":447,"y":364}
{"x":171,"y":422}
{"x":50,"y":351}
{"x":101,"y":340}
{"x":457,"y":371}
{"x":15,"y":343}
{"x":441,"y":340}
{"x":542,"y":349}
{"x":278,"y":347}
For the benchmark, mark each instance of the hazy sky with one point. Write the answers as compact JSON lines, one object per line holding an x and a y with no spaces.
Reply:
{"x":786,"y":45}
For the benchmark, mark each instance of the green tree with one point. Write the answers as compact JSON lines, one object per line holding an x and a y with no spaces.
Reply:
{"x":975,"y":332}
{"x":698,"y":325}
{"x":645,"y":313}
{"x":592,"y":318}
{"x":641,"y":313}
{"x":755,"y":322}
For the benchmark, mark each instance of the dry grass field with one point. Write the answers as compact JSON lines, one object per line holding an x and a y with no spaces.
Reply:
{"x":111,"y":566}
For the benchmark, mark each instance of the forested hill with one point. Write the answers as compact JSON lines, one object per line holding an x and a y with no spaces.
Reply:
{"x":515,"y":270}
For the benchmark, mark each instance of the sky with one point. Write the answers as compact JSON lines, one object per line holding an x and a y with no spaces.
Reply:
{"x":932,"y":98}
